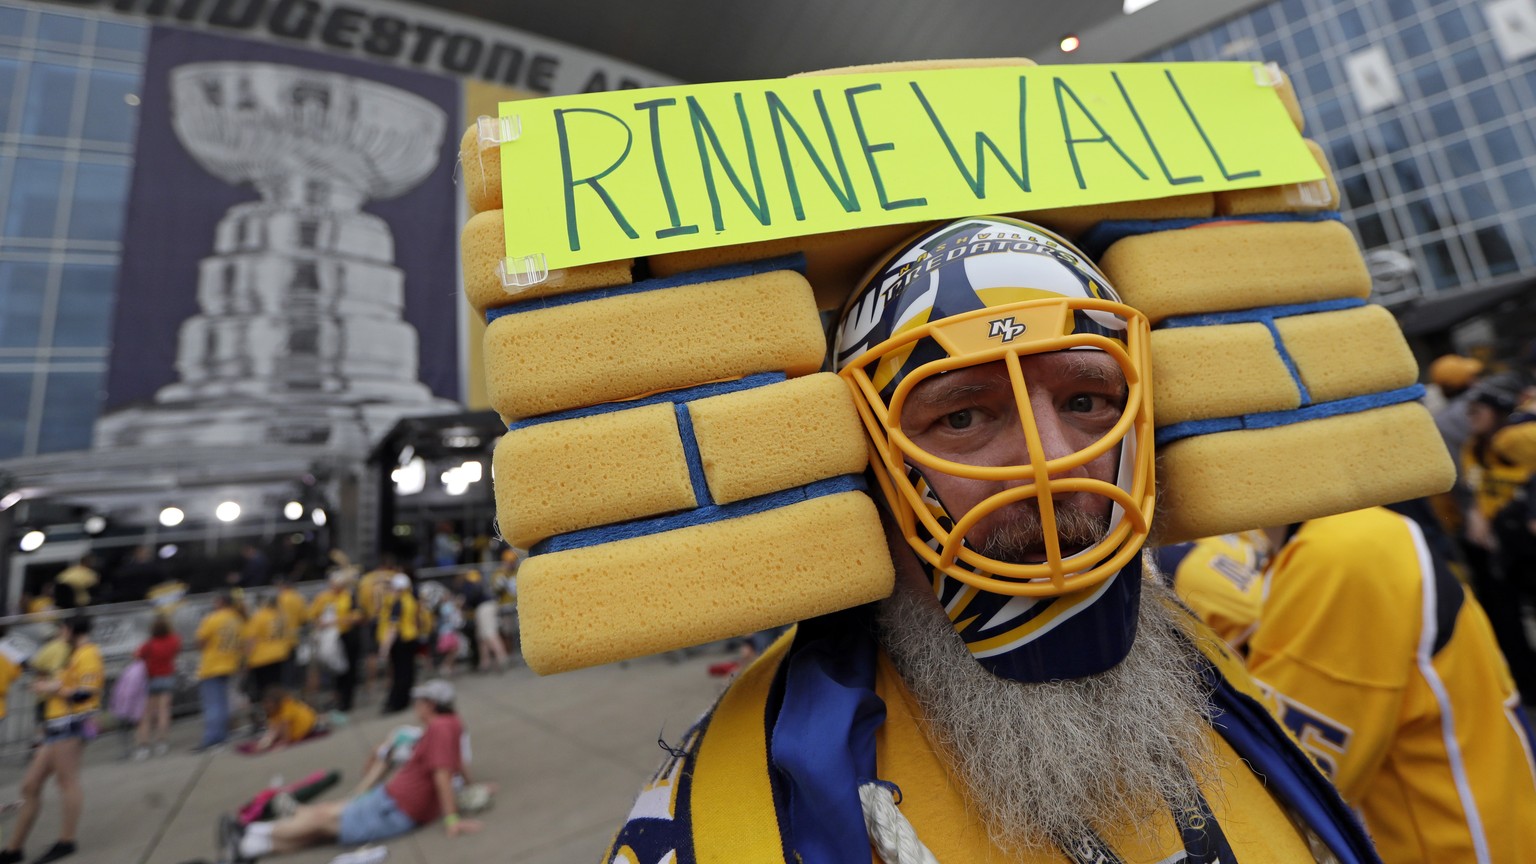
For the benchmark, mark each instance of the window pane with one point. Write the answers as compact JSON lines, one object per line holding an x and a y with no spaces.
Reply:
{"x":69,"y":411}
{"x":101,"y":195}
{"x":1415,"y":41}
{"x":1371,"y":230}
{"x":1485,"y":105}
{"x":1520,"y":186}
{"x":50,"y":100}
{"x":1423,"y":216}
{"x":1453,"y":26}
{"x":1393,"y":136}
{"x":34,"y":199}
{"x":1503,"y":145}
{"x":84,"y":319}
{"x":1444,"y":118}
{"x":1462,"y":158}
{"x":1409,"y":177}
{"x":1398,"y":10}
{"x":1442,"y":267}
{"x":1469,"y":65}
{"x":16,"y":396}
{"x":1351,"y":25}
{"x":1477,"y":200}
{"x":64,"y":30}
{"x":1306,"y":44}
{"x":13,"y":23}
{"x":1496,"y":250}
{"x":113,"y":36}
{"x":1430,"y":80}
{"x":108,"y":117}
{"x":1357,"y":191}
{"x":8,"y":75}
{"x":22,"y":286}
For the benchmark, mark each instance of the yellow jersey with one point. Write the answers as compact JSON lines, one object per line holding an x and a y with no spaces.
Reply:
{"x":290,"y":605}
{"x":336,"y":604}
{"x":50,"y":658}
{"x":371,"y":589}
{"x":266,"y":638}
{"x":1222,"y":580}
{"x":1386,"y":669}
{"x":399,"y":611}
{"x":293,"y":720}
{"x":81,"y":675}
{"x":219,"y":637}
{"x":1498,"y":471}
{"x":9,"y":672}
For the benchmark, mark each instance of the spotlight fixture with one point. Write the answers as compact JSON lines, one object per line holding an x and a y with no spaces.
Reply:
{"x":1070,"y":43}
{"x":32,"y":540}
{"x":94,"y":524}
{"x":293,"y":510}
{"x":170,"y":517}
{"x":227,"y":511}
{"x":317,"y":516}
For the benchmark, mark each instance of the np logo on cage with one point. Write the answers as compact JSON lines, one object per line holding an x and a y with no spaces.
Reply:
{"x":1006,"y":328}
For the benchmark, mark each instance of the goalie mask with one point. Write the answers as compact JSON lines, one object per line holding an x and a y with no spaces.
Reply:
{"x":1005,"y":389}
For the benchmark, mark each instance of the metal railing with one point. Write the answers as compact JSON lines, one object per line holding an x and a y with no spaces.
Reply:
{"x":120,"y":628}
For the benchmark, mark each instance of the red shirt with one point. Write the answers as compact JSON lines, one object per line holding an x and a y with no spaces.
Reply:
{"x":159,"y":655}
{"x":412,"y":787}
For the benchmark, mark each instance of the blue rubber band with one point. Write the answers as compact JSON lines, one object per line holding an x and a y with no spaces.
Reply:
{"x":701,"y":495}
{"x":1262,"y":313}
{"x":701,"y":516}
{"x":1273,"y":419}
{"x":795,"y":261}
{"x":686,"y":394}
{"x":1105,"y":234}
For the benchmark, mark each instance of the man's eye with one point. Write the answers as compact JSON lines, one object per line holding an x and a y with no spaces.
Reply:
{"x":958,"y":419}
{"x":1084,"y":403}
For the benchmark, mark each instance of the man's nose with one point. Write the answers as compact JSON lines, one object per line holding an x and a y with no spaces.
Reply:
{"x":1057,"y":437}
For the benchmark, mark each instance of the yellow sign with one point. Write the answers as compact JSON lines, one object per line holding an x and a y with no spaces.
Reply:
{"x":605,"y":176}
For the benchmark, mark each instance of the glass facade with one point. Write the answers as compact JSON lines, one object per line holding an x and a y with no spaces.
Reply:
{"x":1447,"y":174}
{"x":68,"y":91}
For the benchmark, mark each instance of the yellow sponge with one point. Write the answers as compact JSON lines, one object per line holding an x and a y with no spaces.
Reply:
{"x":1287,"y":92}
{"x":483,"y":244}
{"x":1251,"y":478}
{"x":762,"y":440}
{"x":1226,"y":266}
{"x":1291,"y":198}
{"x":481,"y":166}
{"x":578,"y":473}
{"x":834,"y":263}
{"x":1347,"y":353}
{"x":1073,"y":221}
{"x":557,"y":353}
{"x":1232,"y":369}
{"x":1218,"y":371}
{"x":613,"y":601}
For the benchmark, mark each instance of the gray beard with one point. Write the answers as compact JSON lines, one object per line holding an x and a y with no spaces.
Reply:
{"x":1046,"y":763}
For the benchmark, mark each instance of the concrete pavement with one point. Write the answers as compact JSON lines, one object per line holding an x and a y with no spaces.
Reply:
{"x":569,"y":753}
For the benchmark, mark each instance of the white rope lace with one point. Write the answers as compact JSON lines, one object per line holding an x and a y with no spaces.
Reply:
{"x":893,"y":837}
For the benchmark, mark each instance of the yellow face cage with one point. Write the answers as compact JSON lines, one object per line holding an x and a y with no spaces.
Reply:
{"x":972,"y":339}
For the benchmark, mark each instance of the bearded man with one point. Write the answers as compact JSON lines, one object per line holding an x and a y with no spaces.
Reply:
{"x":1024,"y":694}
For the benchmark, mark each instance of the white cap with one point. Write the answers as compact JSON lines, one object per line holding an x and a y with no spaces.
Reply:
{"x":437,"y":691}
{"x":400,"y":582}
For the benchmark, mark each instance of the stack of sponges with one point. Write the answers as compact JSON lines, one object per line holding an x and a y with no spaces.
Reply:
{"x":675,"y":463}
{"x":1279,"y":394}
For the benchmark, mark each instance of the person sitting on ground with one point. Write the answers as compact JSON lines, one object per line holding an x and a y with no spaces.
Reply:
{"x":420,"y":793}
{"x":396,"y":749}
{"x":289,"y":720}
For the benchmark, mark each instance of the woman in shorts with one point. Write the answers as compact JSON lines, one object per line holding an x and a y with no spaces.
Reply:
{"x":159,"y":655}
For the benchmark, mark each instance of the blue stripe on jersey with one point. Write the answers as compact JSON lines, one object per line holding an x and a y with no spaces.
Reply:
{"x":699,"y":516}
{"x":686,"y":394}
{"x":795,"y":261}
{"x":1272,"y":419}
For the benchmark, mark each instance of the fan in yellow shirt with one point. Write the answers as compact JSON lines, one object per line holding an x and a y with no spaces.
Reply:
{"x":333,"y":614}
{"x":289,"y":720}
{"x":268,"y":645}
{"x":219,"y":639}
{"x":71,"y":700}
{"x":399,"y":629}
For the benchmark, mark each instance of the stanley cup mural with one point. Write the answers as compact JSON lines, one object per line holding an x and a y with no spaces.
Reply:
{"x":299,"y":337}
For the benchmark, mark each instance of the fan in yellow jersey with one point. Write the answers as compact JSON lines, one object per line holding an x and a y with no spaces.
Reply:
{"x":372,"y":587}
{"x":71,"y":702}
{"x":12,"y":659}
{"x":289,"y":720}
{"x":1386,"y":670}
{"x":1498,"y":471}
{"x":1221,"y":579}
{"x":219,"y":639}
{"x":268,"y":644}
{"x":399,"y":630}
{"x":295,"y":613}
{"x":334,"y":614}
